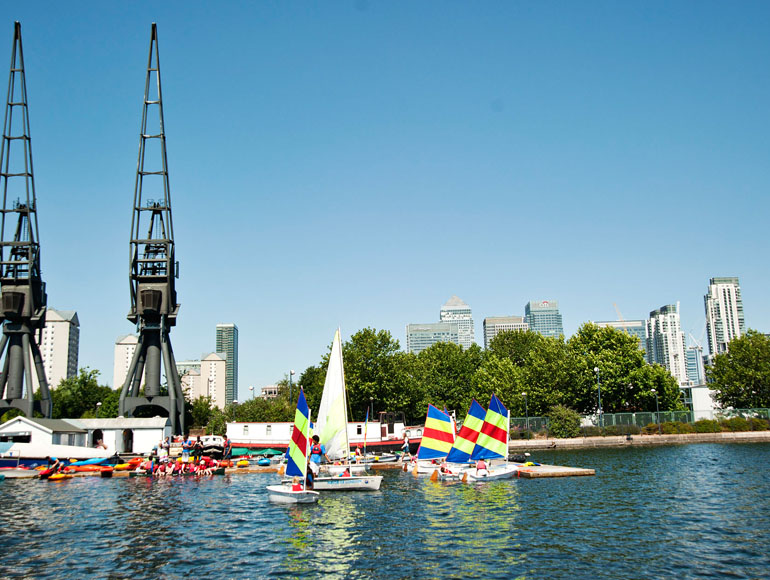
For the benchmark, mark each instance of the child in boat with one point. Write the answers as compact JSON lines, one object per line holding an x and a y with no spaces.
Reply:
{"x":481,"y":468}
{"x":346,"y":473}
{"x":296,"y":485}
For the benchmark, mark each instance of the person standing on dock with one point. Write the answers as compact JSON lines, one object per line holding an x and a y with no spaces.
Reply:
{"x":405,"y":447}
{"x":227,"y":449}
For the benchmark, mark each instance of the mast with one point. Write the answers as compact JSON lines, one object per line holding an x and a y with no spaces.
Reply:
{"x":22,"y":290}
{"x":153,"y":268}
{"x":344,"y":400}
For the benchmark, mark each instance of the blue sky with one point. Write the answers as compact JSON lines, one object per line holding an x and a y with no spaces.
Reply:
{"x":357,"y":163}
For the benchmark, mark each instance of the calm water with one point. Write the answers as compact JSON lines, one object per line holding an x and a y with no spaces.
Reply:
{"x":696,"y":511}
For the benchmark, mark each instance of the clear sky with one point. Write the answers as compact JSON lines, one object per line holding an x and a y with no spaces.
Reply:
{"x":356,"y":163}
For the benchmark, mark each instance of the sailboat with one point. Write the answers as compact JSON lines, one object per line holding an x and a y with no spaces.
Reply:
{"x":492,"y":443}
{"x":332,"y":429}
{"x":459,"y":456}
{"x":438,"y":435}
{"x":297,"y":456}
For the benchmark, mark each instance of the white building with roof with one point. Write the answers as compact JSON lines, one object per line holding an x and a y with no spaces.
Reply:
{"x":25,"y":438}
{"x":59,"y":345}
{"x":206,"y":377}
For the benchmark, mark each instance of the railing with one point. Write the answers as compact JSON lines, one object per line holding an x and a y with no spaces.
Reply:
{"x":521,"y":425}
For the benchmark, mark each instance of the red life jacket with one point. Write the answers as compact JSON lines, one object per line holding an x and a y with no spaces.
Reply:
{"x":316,"y":450}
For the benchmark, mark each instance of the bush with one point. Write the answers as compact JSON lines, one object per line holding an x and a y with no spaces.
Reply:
{"x":622,"y":430}
{"x":521,"y":434}
{"x":757,"y":424}
{"x":591,"y":431}
{"x":707,"y":426}
{"x":564,"y":423}
{"x":737,"y":424}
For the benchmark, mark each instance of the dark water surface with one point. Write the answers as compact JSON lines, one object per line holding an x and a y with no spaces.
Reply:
{"x":694,"y":511}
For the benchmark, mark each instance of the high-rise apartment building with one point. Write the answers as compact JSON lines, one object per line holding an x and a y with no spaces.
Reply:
{"x":494,"y":325}
{"x":724,"y":313}
{"x":543,"y":316}
{"x":665,"y":341}
{"x":59,"y":347}
{"x":422,"y":336}
{"x":455,"y":310}
{"x":637,"y":328}
{"x":227,"y":343}
{"x":696,"y":373}
{"x":206,"y":377}
{"x":125,"y":347}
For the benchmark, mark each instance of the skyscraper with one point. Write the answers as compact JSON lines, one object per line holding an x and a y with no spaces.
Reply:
{"x":455,"y":310}
{"x":59,"y":347}
{"x":695,"y":370}
{"x":543,"y":316}
{"x":497,"y":324}
{"x":227,"y":342}
{"x":724,"y":313}
{"x":422,"y":336}
{"x":665,"y":341}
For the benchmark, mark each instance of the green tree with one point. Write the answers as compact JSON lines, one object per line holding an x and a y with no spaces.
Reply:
{"x":624,"y":377}
{"x":370,"y":359}
{"x":200,"y":412}
{"x":741,"y":376}
{"x":77,"y":397}
{"x":515,"y":345}
{"x":445,"y":372}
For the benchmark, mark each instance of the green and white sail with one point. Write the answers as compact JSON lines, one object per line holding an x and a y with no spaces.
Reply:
{"x":332,"y":422}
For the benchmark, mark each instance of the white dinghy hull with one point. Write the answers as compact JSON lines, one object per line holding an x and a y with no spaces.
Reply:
{"x":284,"y":494}
{"x":353,"y":483}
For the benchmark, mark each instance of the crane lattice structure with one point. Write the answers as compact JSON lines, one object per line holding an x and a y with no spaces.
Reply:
{"x":153,"y":270}
{"x":22,"y":290}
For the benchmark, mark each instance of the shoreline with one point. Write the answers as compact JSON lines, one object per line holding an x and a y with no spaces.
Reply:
{"x":637,"y":441}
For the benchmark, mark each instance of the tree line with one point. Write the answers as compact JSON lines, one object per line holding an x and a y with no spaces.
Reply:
{"x":529,"y":372}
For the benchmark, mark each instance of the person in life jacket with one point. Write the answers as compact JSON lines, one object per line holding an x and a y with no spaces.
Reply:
{"x":481,"y":468}
{"x":316,"y":452}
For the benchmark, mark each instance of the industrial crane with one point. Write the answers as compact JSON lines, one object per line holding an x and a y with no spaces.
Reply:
{"x":153,"y":270}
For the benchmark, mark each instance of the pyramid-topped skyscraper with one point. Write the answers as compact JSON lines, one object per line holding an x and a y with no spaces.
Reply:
{"x":455,"y":310}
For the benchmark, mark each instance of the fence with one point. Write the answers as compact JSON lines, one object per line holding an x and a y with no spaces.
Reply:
{"x":536,"y":424}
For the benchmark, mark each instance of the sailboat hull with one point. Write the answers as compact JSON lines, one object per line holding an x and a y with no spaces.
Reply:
{"x":353,"y":483}
{"x":284,"y":494}
{"x":504,"y":471}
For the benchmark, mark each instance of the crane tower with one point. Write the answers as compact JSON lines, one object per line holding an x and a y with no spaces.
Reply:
{"x":152,"y":267}
{"x":22,"y":290}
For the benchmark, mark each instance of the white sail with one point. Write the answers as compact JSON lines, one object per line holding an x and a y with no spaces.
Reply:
{"x":332,"y":422}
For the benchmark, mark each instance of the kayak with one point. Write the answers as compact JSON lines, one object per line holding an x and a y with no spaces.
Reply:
{"x":59,"y":476}
{"x":106,"y":471}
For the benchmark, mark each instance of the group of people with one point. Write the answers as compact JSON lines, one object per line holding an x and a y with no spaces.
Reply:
{"x":166,"y":467}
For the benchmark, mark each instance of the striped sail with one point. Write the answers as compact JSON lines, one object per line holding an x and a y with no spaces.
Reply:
{"x":468,"y":435}
{"x":298,"y":446}
{"x":437,"y":435}
{"x":493,"y":439}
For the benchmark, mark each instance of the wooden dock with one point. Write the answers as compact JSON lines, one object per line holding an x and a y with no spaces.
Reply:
{"x":537,"y":471}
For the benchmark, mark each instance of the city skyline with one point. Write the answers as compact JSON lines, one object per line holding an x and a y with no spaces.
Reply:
{"x":496,"y":152}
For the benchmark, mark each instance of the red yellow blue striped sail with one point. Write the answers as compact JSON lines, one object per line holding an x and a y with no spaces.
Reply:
{"x":468,"y":435}
{"x":493,"y":439}
{"x":437,"y":435}
{"x":298,"y":446}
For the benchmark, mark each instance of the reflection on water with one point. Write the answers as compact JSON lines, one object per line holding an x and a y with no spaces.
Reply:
{"x":695,"y":511}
